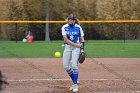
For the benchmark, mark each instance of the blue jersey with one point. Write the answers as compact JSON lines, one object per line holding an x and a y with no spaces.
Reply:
{"x":73,"y":33}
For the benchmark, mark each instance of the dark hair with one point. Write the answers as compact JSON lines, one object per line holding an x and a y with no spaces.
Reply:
{"x":72,"y":16}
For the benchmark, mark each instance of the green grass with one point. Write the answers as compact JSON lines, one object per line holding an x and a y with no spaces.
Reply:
{"x":113,"y":49}
{"x":94,"y":48}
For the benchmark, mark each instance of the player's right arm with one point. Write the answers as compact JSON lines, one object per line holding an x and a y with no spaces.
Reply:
{"x":67,"y":40}
{"x":70,"y":42}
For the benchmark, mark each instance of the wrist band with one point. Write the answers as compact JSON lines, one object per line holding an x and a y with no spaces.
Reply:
{"x":83,"y":45}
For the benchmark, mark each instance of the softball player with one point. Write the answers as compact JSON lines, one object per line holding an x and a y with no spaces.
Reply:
{"x":74,"y":44}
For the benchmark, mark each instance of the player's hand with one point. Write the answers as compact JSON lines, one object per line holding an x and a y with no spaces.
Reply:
{"x":78,"y":45}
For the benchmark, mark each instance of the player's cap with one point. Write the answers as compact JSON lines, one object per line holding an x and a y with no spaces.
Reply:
{"x":72,"y":17}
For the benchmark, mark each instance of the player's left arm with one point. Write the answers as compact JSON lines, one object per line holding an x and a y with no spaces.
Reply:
{"x":82,"y":41}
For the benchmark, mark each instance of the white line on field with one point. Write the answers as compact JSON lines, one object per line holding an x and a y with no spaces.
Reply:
{"x":26,"y":80}
{"x":23,"y":80}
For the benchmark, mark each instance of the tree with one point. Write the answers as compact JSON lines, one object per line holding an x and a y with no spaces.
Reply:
{"x":116,"y":9}
{"x":59,"y":9}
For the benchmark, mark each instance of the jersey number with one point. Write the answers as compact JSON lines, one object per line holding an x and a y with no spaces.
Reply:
{"x":71,"y":37}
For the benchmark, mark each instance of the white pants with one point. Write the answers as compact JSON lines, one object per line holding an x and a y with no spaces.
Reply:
{"x":71,"y":54}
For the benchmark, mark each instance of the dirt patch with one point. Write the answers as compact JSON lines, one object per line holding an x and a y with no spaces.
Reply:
{"x":46,"y":75}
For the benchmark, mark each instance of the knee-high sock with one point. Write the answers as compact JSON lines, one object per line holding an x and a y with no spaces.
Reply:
{"x":75,"y":76}
{"x":70,"y":73}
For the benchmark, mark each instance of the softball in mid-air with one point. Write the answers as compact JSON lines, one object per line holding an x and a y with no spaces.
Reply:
{"x":57,"y":54}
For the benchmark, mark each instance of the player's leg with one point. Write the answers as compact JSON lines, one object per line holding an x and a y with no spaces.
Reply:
{"x":75,"y":56}
{"x":77,"y":80}
{"x":66,"y":61}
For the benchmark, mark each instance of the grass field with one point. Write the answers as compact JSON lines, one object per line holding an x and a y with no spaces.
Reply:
{"x":94,"y":48}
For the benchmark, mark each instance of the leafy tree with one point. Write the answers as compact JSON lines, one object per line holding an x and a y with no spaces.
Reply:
{"x":59,"y":9}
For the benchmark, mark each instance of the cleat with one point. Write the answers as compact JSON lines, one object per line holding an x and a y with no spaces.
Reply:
{"x":75,"y":88}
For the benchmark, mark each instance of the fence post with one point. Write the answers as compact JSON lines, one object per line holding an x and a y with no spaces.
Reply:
{"x":124,"y":31}
{"x":16,"y":33}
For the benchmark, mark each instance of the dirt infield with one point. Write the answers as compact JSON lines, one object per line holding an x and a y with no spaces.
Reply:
{"x":46,"y":75}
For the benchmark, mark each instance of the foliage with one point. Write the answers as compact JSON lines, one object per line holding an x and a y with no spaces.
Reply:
{"x":59,"y":9}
